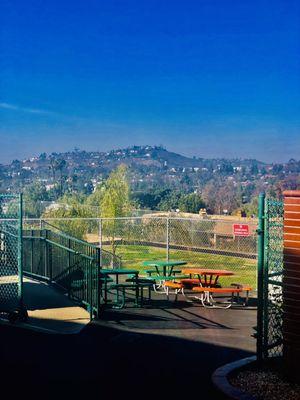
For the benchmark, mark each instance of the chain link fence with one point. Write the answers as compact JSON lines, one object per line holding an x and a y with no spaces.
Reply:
{"x":128,"y":242}
{"x":11,"y":280}
{"x":270,"y":310}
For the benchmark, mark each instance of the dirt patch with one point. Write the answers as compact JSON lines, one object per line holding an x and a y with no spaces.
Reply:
{"x":266,"y":383}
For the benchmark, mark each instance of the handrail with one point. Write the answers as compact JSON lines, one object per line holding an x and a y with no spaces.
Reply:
{"x":67,"y":236}
{"x":62,"y":233}
{"x":114,"y":256}
{"x":78,"y":253}
{"x":34,"y":237}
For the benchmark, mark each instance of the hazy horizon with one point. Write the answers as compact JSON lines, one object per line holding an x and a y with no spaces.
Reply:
{"x":28,"y":156}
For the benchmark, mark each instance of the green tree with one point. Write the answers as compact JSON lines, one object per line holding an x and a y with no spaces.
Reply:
{"x":74,"y":207}
{"x":170,"y":201}
{"x":34,"y":195}
{"x":94,"y":200}
{"x":191,"y":203}
{"x":57,"y":164}
{"x":251,"y":209}
{"x":115,"y":202}
{"x":151,"y":199}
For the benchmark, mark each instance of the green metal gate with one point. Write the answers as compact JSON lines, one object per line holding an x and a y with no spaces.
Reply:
{"x":11,"y":279}
{"x":270,"y":272}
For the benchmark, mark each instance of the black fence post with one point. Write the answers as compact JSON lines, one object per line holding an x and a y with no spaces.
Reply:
{"x":98,"y":283}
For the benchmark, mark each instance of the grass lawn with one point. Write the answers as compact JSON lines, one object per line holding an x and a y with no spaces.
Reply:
{"x":244,"y":269}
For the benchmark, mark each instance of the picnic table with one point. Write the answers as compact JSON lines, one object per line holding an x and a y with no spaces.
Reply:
{"x":118,"y":271}
{"x":207,"y":277}
{"x":207,"y":286}
{"x":164,"y":268}
{"x":105,"y":276}
{"x":164,"y":272}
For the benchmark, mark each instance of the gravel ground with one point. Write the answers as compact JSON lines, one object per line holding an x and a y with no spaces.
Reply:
{"x":266,"y":383}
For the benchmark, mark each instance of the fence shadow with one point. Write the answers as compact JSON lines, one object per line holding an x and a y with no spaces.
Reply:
{"x":102,"y":361}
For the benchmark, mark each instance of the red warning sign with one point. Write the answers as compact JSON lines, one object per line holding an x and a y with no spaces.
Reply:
{"x":241,"y":230}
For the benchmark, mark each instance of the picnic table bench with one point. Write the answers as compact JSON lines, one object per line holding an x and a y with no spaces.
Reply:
{"x":138,"y":287}
{"x":206,"y":293}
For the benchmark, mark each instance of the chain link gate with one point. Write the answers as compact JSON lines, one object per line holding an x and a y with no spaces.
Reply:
{"x":11,"y":273}
{"x":270,"y":272}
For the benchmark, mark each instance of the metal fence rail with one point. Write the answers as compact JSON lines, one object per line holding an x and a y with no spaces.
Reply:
{"x":201,"y":242}
{"x":11,"y":279}
{"x":66,"y":261}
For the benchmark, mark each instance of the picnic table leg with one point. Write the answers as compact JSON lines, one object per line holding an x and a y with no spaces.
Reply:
{"x":200,"y":280}
{"x":203,"y":298}
{"x":137,"y":291}
{"x":211,"y":302}
{"x":118,"y":305}
{"x":105,"y":290}
{"x":247,"y":297}
{"x":117,"y":282}
{"x":167,"y":292}
{"x":216,"y":280}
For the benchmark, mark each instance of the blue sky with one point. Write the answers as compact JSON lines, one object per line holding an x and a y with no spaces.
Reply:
{"x":211,"y":78}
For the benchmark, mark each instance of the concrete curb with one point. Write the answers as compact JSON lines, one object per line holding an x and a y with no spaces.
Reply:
{"x":220,"y":379}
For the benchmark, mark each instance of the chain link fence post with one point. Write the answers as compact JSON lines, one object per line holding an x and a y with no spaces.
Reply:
{"x":20,"y":253}
{"x":260,"y":276}
{"x":100,"y":239}
{"x":168,"y":239}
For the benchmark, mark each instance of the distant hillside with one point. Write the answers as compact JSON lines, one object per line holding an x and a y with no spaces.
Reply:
{"x":143,"y":155}
{"x":150,"y":167}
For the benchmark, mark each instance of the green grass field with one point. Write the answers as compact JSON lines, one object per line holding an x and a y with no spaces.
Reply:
{"x":244,"y":269}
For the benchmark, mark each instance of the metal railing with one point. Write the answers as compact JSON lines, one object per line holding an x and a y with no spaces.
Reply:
{"x":70,"y":263}
{"x":107,"y":259}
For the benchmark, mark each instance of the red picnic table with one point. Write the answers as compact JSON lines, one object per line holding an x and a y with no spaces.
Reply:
{"x":206,"y":285}
{"x":207,"y":277}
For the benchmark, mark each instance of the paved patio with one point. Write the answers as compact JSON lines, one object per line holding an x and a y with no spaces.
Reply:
{"x":51,"y":310}
{"x":190,"y":321}
{"x":163,"y":350}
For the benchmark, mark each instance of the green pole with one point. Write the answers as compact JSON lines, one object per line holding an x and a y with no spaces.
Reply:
{"x":91,"y":289}
{"x":260,"y":276}
{"x":265,"y":288}
{"x":168,"y":239}
{"x":68,"y":268}
{"x":98,"y":281}
{"x":20,"y":258}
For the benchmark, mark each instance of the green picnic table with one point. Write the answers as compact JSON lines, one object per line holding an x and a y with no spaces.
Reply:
{"x":118,"y":271}
{"x":164,"y":272}
{"x":166,"y":266}
{"x":105,"y":275}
